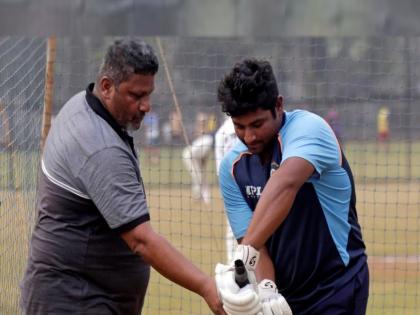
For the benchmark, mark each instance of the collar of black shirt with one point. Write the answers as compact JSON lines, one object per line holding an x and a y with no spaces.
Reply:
{"x":97,"y":106}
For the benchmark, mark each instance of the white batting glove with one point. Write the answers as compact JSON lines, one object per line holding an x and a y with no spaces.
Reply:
{"x":236,"y":300}
{"x":273,"y":303}
{"x":249,"y":255}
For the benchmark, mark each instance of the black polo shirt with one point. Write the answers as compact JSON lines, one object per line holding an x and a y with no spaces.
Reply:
{"x":90,"y":191}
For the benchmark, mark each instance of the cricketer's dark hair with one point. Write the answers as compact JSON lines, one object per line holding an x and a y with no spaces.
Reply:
{"x":126,"y":57}
{"x":250,"y":85}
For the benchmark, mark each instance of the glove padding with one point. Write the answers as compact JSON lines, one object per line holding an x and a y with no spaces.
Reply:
{"x":236,"y":300}
{"x":273,"y":303}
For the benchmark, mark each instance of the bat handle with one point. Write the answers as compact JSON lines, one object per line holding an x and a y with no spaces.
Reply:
{"x":241,"y":276}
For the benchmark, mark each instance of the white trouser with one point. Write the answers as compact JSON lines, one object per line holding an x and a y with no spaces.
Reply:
{"x":230,"y":243}
{"x":194,"y":158}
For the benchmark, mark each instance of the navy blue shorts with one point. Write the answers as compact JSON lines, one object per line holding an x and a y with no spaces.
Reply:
{"x":351,"y":299}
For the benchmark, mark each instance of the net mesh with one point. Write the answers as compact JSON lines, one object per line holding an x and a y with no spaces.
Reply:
{"x":368,"y":89}
{"x":22,"y":71}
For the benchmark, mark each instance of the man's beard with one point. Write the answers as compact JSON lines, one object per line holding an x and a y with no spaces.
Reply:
{"x":133,"y":126}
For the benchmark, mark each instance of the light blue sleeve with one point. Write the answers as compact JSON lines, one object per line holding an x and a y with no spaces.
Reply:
{"x":309,"y":136}
{"x":237,"y":210}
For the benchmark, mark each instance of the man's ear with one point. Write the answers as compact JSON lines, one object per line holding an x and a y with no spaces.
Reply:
{"x":106,"y":87}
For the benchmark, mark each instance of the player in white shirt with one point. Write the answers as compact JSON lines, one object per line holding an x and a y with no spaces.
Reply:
{"x":225,"y":138}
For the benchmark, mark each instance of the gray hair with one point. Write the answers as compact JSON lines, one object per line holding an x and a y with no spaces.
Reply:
{"x":126,"y":57}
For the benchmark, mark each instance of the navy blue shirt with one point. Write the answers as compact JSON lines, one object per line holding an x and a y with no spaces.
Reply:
{"x":319,"y":245}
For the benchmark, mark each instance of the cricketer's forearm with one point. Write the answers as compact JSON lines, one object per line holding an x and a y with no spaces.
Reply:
{"x":276,"y":200}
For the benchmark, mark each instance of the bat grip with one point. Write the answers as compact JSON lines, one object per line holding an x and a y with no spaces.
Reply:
{"x":241,"y":276}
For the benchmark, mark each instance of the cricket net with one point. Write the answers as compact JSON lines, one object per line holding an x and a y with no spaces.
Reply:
{"x":363,"y":86}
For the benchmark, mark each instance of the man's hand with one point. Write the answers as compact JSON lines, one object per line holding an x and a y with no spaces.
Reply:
{"x":239,"y":300}
{"x":236,"y":300}
{"x":273,"y":303}
{"x":210,"y":294}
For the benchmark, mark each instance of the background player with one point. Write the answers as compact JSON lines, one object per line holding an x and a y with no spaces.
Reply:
{"x":196,"y":156}
{"x":333,"y":119}
{"x":224,"y":140}
{"x":152,"y":133}
{"x":383,"y":124}
{"x":383,"y":130}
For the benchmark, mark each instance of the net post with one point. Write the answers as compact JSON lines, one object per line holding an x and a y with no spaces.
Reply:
{"x":48,"y":89}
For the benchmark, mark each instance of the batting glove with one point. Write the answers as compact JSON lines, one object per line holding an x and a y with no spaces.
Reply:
{"x":237,"y":300}
{"x":273,"y":303}
{"x":250,"y":256}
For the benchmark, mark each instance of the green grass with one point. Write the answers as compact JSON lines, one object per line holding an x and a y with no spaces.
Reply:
{"x":369,"y":162}
{"x":373,"y":161}
{"x":388,"y":206}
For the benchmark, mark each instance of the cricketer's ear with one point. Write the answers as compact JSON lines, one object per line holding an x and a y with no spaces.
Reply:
{"x":279,"y":104}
